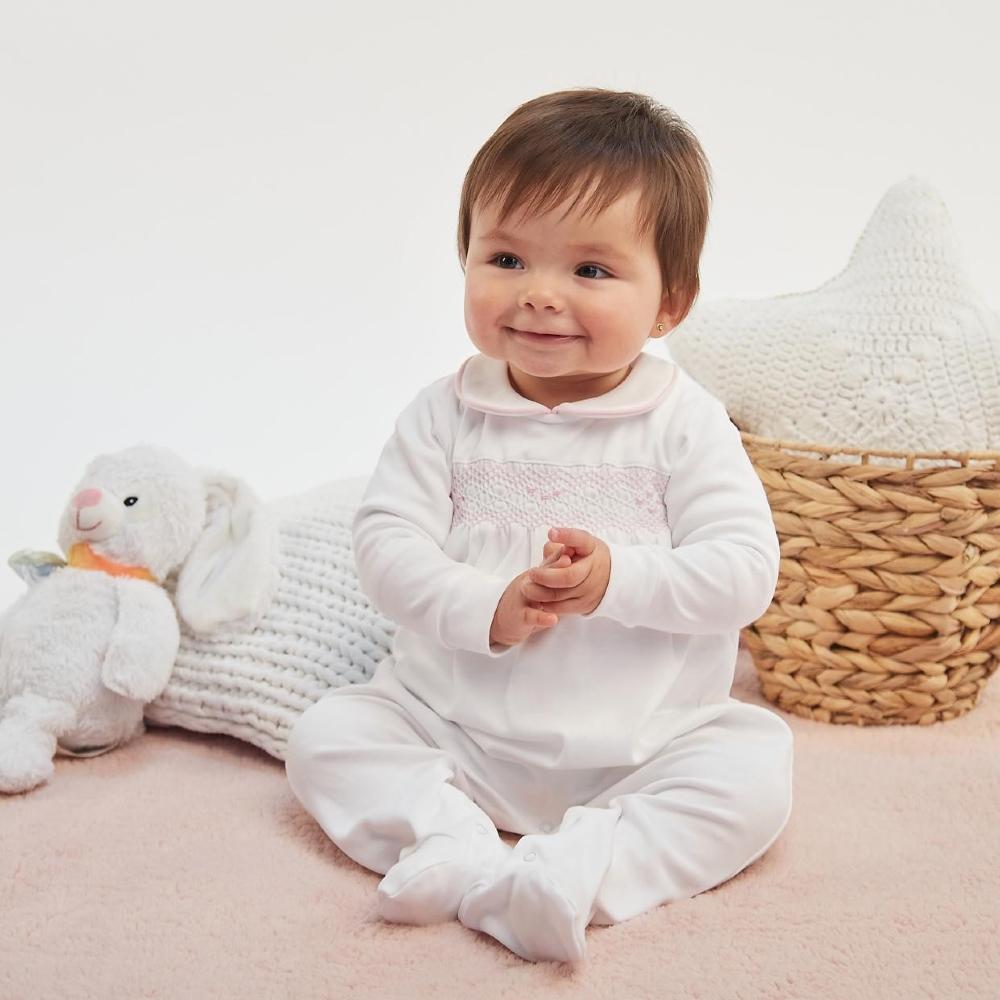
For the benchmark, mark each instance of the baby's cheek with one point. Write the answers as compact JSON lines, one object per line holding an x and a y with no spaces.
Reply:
{"x":481,"y":295}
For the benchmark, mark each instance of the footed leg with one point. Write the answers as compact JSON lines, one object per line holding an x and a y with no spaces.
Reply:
{"x":389,"y":799}
{"x":694,"y":815}
{"x":30,"y":727}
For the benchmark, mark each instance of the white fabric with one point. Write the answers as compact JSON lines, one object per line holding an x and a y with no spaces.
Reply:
{"x":897,"y":351}
{"x":460,"y":503}
{"x":319,"y":633}
{"x":383,"y":774}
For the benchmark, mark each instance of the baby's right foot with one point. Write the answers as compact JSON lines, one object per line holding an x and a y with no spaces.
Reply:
{"x":528,"y":913}
{"x":428,"y":882}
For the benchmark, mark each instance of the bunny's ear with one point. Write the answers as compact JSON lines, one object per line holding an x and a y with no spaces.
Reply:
{"x":231,"y":575}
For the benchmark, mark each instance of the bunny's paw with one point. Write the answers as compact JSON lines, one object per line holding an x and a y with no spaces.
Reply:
{"x":25,"y":757}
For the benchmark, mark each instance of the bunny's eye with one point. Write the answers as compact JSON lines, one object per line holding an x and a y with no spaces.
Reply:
{"x":131,"y":500}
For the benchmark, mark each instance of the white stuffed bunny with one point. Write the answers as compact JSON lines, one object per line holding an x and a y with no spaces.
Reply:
{"x":94,"y":639}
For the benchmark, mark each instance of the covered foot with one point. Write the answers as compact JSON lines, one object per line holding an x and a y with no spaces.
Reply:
{"x":428,"y":882}
{"x":524,"y":909}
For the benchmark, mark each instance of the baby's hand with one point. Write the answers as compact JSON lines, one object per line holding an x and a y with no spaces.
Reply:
{"x":516,"y":618}
{"x":578,"y":589}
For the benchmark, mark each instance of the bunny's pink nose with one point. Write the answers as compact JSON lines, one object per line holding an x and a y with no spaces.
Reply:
{"x":87,"y":498}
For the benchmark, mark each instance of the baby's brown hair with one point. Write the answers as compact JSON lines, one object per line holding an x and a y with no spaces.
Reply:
{"x":564,"y":141}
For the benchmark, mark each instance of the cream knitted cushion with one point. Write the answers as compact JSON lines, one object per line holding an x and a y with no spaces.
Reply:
{"x":320,"y":633}
{"x":897,"y":351}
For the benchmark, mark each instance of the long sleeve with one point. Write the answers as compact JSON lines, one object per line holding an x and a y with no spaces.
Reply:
{"x":722,"y":569}
{"x":400,"y":528}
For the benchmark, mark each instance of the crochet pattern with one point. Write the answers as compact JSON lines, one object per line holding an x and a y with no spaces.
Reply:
{"x":896,"y":352}
{"x":320,"y":633}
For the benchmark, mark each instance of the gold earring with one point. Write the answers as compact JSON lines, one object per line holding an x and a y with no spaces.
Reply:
{"x":659,"y":326}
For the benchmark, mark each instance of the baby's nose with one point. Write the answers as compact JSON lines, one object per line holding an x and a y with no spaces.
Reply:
{"x":87,"y":498}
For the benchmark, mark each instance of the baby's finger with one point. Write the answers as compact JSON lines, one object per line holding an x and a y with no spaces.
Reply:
{"x":535,"y":592}
{"x":567,"y":550}
{"x":561,"y":577}
{"x":540,"y":596}
{"x":545,"y":619}
{"x":551,"y":552}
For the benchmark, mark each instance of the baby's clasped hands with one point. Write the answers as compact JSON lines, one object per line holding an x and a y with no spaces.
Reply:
{"x":574,"y":589}
{"x":516,"y":618}
{"x":571,"y":580}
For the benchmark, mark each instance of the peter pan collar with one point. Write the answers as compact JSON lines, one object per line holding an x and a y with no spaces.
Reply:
{"x":482,"y":383}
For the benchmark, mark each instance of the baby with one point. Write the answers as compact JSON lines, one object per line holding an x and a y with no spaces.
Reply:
{"x":569,"y":536}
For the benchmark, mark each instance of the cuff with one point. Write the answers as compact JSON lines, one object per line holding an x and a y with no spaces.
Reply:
{"x":615,"y":603}
{"x":473,"y":616}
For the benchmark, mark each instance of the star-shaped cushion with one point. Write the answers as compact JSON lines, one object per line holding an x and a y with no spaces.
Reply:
{"x":897,"y":351}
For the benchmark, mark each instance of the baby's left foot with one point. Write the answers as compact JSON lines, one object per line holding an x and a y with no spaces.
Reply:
{"x":524,"y":909}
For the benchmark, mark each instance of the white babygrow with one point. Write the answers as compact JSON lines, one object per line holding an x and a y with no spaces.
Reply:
{"x":591,"y":738}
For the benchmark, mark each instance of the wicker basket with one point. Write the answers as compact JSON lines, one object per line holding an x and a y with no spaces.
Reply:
{"x":886,"y":610}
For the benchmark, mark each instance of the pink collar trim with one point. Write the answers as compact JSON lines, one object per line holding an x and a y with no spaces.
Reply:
{"x":482,"y":383}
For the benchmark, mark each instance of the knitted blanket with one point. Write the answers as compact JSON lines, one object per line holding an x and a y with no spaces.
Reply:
{"x":320,"y":633}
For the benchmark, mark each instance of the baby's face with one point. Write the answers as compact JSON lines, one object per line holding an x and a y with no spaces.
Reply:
{"x":592,"y":287}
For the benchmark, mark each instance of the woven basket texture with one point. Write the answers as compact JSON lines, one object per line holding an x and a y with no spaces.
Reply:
{"x":887,"y":605}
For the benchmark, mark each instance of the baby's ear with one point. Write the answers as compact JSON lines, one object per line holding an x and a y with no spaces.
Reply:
{"x":674,"y":307}
{"x":231,"y":575}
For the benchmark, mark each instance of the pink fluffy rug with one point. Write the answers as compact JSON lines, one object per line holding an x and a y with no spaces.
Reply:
{"x":183,"y":867}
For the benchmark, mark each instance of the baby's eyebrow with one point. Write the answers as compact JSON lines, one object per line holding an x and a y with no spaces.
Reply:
{"x":601,"y":248}
{"x":604,"y":249}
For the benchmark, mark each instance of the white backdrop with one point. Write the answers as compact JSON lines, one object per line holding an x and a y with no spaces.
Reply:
{"x":229,"y":227}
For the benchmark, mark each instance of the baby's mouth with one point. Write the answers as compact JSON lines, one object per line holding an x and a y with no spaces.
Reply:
{"x":542,"y":338}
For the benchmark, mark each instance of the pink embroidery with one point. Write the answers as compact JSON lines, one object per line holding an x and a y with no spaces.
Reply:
{"x":536,"y":494}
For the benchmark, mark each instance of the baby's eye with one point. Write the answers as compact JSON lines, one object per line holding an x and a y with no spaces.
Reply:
{"x":503,"y":256}
{"x":595,"y":267}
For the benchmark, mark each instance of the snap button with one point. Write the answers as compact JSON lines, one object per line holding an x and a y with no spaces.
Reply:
{"x":480,"y":828}
{"x":530,"y":856}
